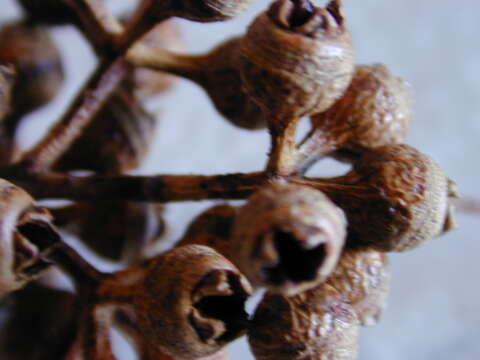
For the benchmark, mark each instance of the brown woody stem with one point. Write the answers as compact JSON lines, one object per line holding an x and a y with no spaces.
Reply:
{"x":81,"y":112}
{"x":190,"y":67}
{"x":159,"y":188}
{"x":144,"y":18}
{"x":283,"y":154}
{"x":69,"y":260}
{"x":312,"y":148}
{"x":103,"y":83}
{"x":99,"y":26}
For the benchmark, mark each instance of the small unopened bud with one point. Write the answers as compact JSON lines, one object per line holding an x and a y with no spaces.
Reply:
{"x":288,"y":237}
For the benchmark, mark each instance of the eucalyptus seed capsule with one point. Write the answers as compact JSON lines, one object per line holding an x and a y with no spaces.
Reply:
{"x":287,"y":237}
{"x":26,"y":235}
{"x":362,"y":277}
{"x":190,"y":303}
{"x":316,"y":324}
{"x":296,"y":59}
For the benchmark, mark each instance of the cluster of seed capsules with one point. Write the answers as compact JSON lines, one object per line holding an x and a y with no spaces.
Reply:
{"x":317,"y":245}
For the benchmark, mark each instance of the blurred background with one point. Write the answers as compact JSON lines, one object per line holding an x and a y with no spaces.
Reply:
{"x":434,"y":307}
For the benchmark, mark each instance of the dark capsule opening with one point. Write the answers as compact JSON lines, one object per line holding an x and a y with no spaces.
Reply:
{"x":295,"y":264}
{"x":229,"y":309}
{"x":35,"y":237}
{"x":39,"y":233}
{"x":301,"y":13}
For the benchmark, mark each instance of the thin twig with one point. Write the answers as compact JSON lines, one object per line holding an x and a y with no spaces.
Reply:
{"x":159,"y":188}
{"x":99,"y":26}
{"x":81,"y":112}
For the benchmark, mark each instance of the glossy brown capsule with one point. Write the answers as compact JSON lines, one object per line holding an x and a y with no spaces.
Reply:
{"x":296,"y":59}
{"x":191,"y":302}
{"x":288,"y":237}
{"x":362,"y":277}
{"x":37,"y":62}
{"x":316,"y":324}
{"x":26,"y":236}
{"x":374,"y":111}
{"x":395,"y":198}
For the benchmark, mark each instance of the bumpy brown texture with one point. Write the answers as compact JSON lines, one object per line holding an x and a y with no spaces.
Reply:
{"x":312,"y":70}
{"x":315,"y":325}
{"x":117,"y":230}
{"x":374,"y":111}
{"x":148,"y":83}
{"x":41,"y":324}
{"x":212,"y":228}
{"x":116,"y":141}
{"x":362,"y":277}
{"x":190,"y":303}
{"x":6,"y":79}
{"x":37,"y":63}
{"x":395,"y":199}
{"x":287,"y":237}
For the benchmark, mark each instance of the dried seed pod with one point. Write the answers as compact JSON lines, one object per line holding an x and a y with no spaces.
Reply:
{"x":212,"y":228}
{"x":26,"y":236}
{"x":374,"y":111}
{"x":50,"y":12}
{"x":126,"y":320}
{"x":296,"y":59}
{"x":37,"y":62}
{"x":116,"y":141}
{"x":6,"y":80}
{"x":117,"y":230}
{"x":190,"y":303}
{"x":148,"y":83}
{"x":362,"y":277}
{"x":316,"y":324}
{"x":216,"y":72}
{"x":395,"y":198}
{"x":44,"y":316}
{"x":288,"y":237}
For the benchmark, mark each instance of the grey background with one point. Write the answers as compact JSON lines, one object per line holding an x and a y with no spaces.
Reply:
{"x":434,"y":302}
